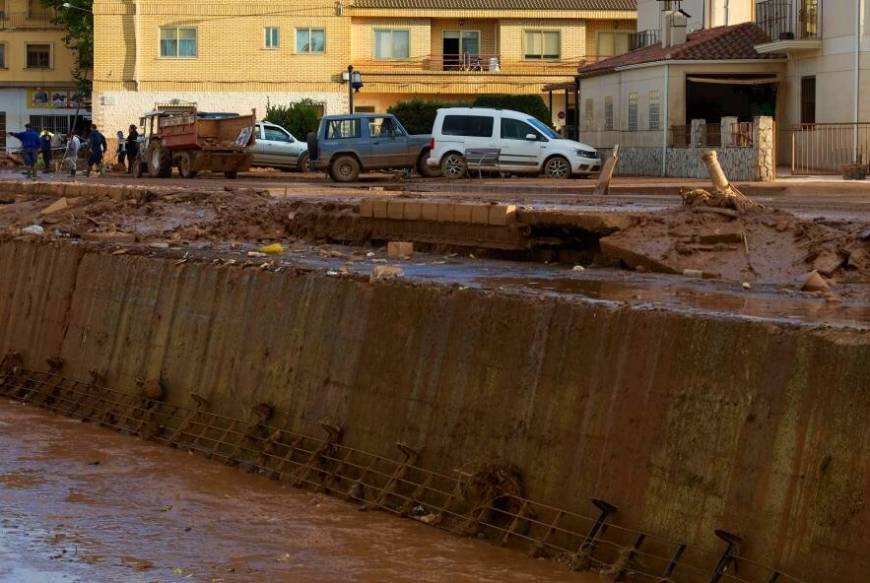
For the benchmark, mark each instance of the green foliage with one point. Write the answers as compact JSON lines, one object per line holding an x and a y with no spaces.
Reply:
{"x":531,"y":104}
{"x":298,"y":118}
{"x":416,"y":115}
{"x":79,"y":37}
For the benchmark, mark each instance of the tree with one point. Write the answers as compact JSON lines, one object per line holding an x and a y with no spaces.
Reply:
{"x":416,"y":115}
{"x":78,"y":23}
{"x":298,"y":118}
{"x":530,"y":104}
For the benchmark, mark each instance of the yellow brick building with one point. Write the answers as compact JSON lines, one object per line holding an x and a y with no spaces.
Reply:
{"x":234,"y":55}
{"x":36,"y":82}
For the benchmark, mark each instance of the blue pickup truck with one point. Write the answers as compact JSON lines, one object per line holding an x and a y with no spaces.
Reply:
{"x":346,"y":145}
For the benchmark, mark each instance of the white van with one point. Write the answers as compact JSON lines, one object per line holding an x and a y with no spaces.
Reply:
{"x":517,"y":142}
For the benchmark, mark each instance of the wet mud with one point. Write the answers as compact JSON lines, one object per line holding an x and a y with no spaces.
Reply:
{"x":82,"y":504}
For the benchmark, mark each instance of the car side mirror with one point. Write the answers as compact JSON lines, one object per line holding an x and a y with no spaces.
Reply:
{"x":532,"y":137}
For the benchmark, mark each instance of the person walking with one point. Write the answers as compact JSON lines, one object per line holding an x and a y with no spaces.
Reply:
{"x":122,"y":150}
{"x":97,"y":145}
{"x":72,"y":153}
{"x":132,"y":148}
{"x":45,"y":148}
{"x":30,"y":146}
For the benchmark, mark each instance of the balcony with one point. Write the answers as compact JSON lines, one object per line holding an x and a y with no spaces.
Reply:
{"x":643,"y":38}
{"x":789,"y":26}
{"x":27,"y":21}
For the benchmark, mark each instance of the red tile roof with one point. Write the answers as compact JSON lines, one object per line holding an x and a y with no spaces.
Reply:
{"x":712,"y":44}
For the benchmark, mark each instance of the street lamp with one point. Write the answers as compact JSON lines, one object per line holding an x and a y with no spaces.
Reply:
{"x":354,"y":83}
{"x":71,"y":7}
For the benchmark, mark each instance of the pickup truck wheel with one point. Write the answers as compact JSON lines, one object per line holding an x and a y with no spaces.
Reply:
{"x":231,"y":174}
{"x":454,"y":166}
{"x":302,"y":166}
{"x":185,"y":165}
{"x":159,"y":160}
{"x":344,"y":169}
{"x":423,"y":168}
{"x":557,"y":167}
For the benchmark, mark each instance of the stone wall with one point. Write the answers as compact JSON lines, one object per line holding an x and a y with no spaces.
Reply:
{"x":743,"y":163}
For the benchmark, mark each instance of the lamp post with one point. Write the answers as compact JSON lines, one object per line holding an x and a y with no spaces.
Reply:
{"x":354,"y":83}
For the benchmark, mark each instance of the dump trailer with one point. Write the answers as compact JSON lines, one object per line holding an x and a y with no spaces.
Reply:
{"x":180,"y":136}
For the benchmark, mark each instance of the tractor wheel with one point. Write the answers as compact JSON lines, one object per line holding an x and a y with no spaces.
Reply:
{"x":159,"y":160}
{"x":185,"y":165}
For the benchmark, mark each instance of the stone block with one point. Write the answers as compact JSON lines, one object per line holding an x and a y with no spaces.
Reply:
{"x":502,"y":214}
{"x":366,"y":208}
{"x":400,"y":249}
{"x":413,"y":211}
{"x":395,"y":210}
{"x":379,"y":209}
{"x":480,"y":214}
{"x":461,"y":213}
{"x":445,"y":212}
{"x":429,"y":211}
{"x":60,"y":204}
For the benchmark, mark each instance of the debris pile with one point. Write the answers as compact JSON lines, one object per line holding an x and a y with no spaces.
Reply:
{"x":724,"y":234}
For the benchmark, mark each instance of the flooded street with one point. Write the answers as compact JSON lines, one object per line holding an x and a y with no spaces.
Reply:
{"x":80,"y":503}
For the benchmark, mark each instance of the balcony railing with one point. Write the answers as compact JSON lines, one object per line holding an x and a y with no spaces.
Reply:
{"x":474,"y":64}
{"x":13,"y":20}
{"x":787,"y":20}
{"x":643,"y":38}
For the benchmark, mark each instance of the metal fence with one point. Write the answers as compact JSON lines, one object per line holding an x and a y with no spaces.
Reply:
{"x":643,"y":38}
{"x":780,"y":19}
{"x":824,"y":148}
{"x":488,"y":503}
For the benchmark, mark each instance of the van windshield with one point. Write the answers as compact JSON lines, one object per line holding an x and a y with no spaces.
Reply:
{"x":543,"y":128}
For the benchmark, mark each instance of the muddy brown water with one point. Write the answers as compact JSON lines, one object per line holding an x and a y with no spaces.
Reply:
{"x":83,"y":504}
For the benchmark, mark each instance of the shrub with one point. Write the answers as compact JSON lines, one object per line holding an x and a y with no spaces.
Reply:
{"x":416,"y":115}
{"x":531,"y":104}
{"x":298,"y":118}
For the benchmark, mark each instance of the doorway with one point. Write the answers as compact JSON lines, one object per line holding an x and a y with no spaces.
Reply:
{"x":461,"y":49}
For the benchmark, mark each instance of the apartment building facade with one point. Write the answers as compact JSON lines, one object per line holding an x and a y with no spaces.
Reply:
{"x":36,"y":82}
{"x":235,"y":55}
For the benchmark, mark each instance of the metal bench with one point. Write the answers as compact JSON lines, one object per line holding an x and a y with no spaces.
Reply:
{"x":482,"y":159}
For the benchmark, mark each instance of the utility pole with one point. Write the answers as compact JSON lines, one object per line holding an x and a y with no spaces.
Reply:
{"x":350,"y":88}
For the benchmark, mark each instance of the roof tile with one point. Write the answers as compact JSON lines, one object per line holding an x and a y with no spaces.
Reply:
{"x":711,"y":44}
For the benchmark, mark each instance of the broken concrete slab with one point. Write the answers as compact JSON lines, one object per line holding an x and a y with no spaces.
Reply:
{"x":60,"y":204}
{"x":814,"y":283}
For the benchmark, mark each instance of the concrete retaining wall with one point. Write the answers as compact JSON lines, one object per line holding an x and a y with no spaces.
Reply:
{"x":686,"y":423}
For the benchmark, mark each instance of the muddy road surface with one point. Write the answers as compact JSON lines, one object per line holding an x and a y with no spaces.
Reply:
{"x":79,"y":503}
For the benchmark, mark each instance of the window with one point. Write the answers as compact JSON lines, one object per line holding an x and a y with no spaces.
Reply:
{"x":2,"y":55}
{"x":608,"y":113}
{"x":632,"y":112}
{"x":178,"y":43}
{"x":37,"y":10}
{"x":342,"y":129}
{"x":514,"y":129}
{"x":808,"y":100}
{"x":384,"y":126}
{"x":477,"y":126}
{"x":542,"y":44}
{"x":276,"y":135}
{"x":589,"y":115}
{"x":56,"y":124}
{"x":272,"y":37}
{"x":613,"y":43}
{"x":392,"y":44}
{"x":655,"y":110}
{"x":310,"y":40}
{"x":38,"y":56}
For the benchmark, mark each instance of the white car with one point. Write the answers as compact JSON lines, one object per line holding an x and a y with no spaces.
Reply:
{"x":277,"y":148}
{"x":518,"y":142}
